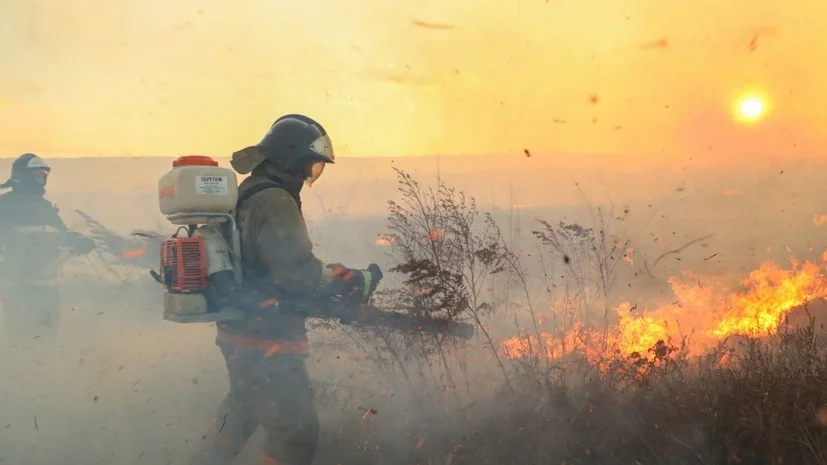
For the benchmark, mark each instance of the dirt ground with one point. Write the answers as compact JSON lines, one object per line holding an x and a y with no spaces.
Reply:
{"x":125,"y":387}
{"x":121,"y":387}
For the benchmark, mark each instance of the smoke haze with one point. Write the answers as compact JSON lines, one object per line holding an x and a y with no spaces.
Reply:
{"x":658,"y":80}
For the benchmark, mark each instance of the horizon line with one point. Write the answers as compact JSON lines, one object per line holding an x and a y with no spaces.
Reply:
{"x":348,"y":156}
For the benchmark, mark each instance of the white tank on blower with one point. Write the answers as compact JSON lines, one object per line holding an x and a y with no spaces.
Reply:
{"x":196,"y":184}
{"x":199,"y":195}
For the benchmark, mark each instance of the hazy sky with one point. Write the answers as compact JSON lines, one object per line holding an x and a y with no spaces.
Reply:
{"x":405,"y":77}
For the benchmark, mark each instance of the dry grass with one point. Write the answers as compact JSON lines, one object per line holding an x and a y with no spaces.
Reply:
{"x":748,"y":401}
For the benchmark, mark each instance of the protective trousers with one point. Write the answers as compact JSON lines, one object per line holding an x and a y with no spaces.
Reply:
{"x":270,"y":390}
{"x":31,"y":316}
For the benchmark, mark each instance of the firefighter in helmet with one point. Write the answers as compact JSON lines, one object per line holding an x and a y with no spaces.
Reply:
{"x":265,"y":352}
{"x":32,"y":236}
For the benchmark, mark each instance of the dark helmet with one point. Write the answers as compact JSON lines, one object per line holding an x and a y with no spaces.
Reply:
{"x":24,"y":169}
{"x":294,"y":144}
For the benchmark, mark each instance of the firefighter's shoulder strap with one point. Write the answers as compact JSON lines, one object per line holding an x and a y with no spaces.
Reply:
{"x":246,"y":194}
{"x":254,"y":190}
{"x":269,"y":184}
{"x":249,"y":192}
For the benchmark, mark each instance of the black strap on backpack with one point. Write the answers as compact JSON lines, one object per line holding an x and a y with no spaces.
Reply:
{"x":260,"y":187}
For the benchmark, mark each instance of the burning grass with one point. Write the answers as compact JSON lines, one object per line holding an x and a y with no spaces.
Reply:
{"x":750,"y":400}
{"x":715,"y":376}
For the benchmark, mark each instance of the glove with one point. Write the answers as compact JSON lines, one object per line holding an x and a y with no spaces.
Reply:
{"x":356,"y":286}
{"x":373,"y":275}
{"x":80,"y":243}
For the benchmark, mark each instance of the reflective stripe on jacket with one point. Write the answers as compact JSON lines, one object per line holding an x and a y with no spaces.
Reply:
{"x":269,"y":347}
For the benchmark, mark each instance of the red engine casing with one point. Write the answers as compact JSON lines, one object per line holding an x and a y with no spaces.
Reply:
{"x":184,"y":264}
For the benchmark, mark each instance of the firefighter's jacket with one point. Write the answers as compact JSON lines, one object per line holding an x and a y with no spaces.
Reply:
{"x":276,"y":250}
{"x":31,"y":237}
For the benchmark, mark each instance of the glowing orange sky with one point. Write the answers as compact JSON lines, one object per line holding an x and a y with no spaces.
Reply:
{"x":405,"y":77}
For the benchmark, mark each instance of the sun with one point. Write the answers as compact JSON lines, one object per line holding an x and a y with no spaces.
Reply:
{"x":750,"y":108}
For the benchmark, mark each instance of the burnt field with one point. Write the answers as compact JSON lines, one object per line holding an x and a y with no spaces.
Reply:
{"x":135,"y":390}
{"x":602,"y":338}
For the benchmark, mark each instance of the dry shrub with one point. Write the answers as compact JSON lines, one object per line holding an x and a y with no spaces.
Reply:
{"x":750,"y":401}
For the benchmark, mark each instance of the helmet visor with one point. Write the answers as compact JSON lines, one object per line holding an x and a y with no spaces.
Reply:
{"x":314,"y":173}
{"x":37,"y":163}
{"x":323,"y":148}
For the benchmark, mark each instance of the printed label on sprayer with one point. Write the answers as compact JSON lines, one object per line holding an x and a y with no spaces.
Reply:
{"x":211,"y":185}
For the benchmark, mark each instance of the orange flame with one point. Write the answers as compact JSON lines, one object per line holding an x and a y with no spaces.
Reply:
{"x":384,"y":241}
{"x":627,"y":256}
{"x":820,"y":220}
{"x":435,"y":235}
{"x":711,"y":311}
{"x":134,"y":253}
{"x":771,"y":294}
